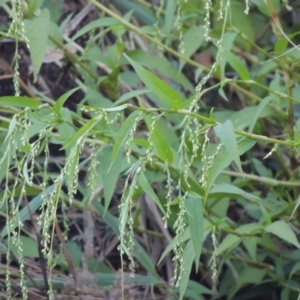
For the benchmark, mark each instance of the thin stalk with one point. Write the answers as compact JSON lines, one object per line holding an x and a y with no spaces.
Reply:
{"x":265,"y":180}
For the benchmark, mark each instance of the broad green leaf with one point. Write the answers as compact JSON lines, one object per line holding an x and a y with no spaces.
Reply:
{"x":226,"y":134}
{"x":248,"y":275}
{"x":11,"y":128}
{"x":82,"y":132}
{"x":37,"y":31}
{"x":261,"y":168}
{"x":29,"y":247}
{"x":117,"y":108}
{"x":267,"y":68}
{"x":281,"y":45}
{"x":170,"y":18}
{"x":223,"y":160}
{"x":249,"y":228}
{"x":237,"y":65}
{"x":225,"y":189}
{"x":162,"y":90}
{"x":147,"y":188}
{"x":123,"y":134}
{"x":103,"y":22}
{"x":266,"y":215}
{"x":170,"y":247}
{"x":283,"y":231}
{"x":222,"y":94}
{"x":57,"y":107}
{"x":242,"y":119}
{"x":192,"y":40}
{"x":227,"y":43}
{"x":295,"y":268}
{"x":297,"y":203}
{"x":195,"y":290}
{"x":19,"y":101}
{"x":263,"y":8}
{"x":250,"y":243}
{"x":195,"y":221}
{"x":71,"y":167}
{"x":229,"y":241}
{"x":162,"y":65}
{"x":241,"y":22}
{"x":143,"y":14}
{"x":75,"y":253}
{"x":130,"y":95}
{"x":160,"y":143}
{"x":33,"y":6}
{"x":110,"y":173}
{"x":187,"y":261}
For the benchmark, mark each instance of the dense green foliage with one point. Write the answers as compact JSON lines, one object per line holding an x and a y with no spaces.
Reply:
{"x":183,"y":152}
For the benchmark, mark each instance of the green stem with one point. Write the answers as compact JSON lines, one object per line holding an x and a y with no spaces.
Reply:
{"x":265,"y":180}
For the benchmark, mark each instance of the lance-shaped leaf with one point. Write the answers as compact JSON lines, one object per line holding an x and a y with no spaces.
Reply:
{"x":226,"y":134}
{"x":195,"y":220}
{"x":123,"y":134}
{"x":159,"y":141}
{"x":37,"y":31}
{"x":162,"y":90}
{"x":19,"y":101}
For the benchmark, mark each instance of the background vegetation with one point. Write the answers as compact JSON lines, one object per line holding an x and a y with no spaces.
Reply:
{"x":149,"y":149}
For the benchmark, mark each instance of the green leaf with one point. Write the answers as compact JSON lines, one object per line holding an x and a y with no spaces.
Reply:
{"x":226,"y":134}
{"x":249,"y":228}
{"x":187,"y":260}
{"x":123,"y":134}
{"x":223,"y":160}
{"x":33,"y":6}
{"x":162,"y":65}
{"x":37,"y":31}
{"x":242,"y":22}
{"x":110,"y":173}
{"x":225,"y":189}
{"x":195,"y":290}
{"x":18,"y":101}
{"x":266,"y":215}
{"x":83,"y":131}
{"x":29,"y":247}
{"x":75,"y":253}
{"x":195,"y":221}
{"x":71,"y":167}
{"x":250,"y":243}
{"x":229,"y":241}
{"x":295,"y":268}
{"x":192,"y":40}
{"x":227,"y":43}
{"x":103,"y":22}
{"x":237,"y":65}
{"x":57,"y":107}
{"x":147,"y":188}
{"x":158,"y":139}
{"x":130,"y":95}
{"x":263,"y":8}
{"x":163,"y":91}
{"x":222,"y":94}
{"x":284,"y":232}
{"x":297,"y":203}
{"x":170,"y":246}
{"x":11,"y":127}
